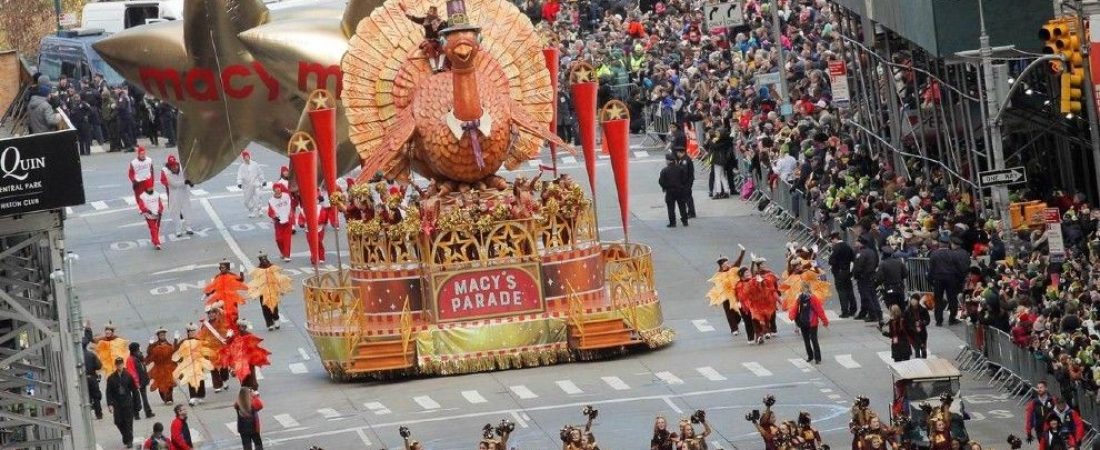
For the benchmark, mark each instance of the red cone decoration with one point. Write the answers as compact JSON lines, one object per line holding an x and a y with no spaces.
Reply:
{"x":615,"y":121}
{"x":553,"y":61}
{"x":303,"y":163}
{"x":584,"y":88}
{"x":322,"y":115}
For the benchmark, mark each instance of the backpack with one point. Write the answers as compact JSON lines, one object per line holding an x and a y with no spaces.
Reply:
{"x":805,"y":311}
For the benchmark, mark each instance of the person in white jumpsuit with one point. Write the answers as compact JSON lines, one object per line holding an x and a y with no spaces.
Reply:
{"x":250,"y":178}
{"x":178,"y":188}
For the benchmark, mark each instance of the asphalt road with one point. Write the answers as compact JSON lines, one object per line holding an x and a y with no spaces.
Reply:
{"x":120,"y":278}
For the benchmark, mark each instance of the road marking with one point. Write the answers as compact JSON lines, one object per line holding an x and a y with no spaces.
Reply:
{"x":301,"y":351}
{"x":232,"y":426}
{"x":69,"y":211}
{"x":757,"y":369}
{"x":98,"y":447}
{"x":669,"y":378}
{"x":671,"y":404}
{"x":426,"y":402}
{"x":363,"y":436}
{"x":298,"y":368}
{"x":233,"y":189}
{"x":474,"y":397}
{"x":886,"y":357}
{"x":130,"y":201}
{"x":847,"y":361}
{"x":377,"y":407}
{"x":702,"y":325}
{"x":519,"y":420}
{"x":826,"y":391}
{"x":285,"y":420}
{"x":710,"y":373}
{"x":569,"y":387}
{"x":195,"y":435}
{"x":534,"y":163}
{"x":199,"y":192}
{"x":834,"y":397}
{"x":328,"y":413}
{"x":616,"y":383}
{"x":801,"y":364}
{"x":522,"y":392}
{"x":641,"y":154}
{"x":134,"y":224}
{"x":283,"y":319}
{"x":569,"y":159}
{"x":220,"y":226}
{"x":833,"y":315}
{"x":259,"y":375}
{"x":99,"y":205}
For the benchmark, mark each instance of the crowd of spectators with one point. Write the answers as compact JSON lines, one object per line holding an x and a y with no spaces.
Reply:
{"x":113,"y":117}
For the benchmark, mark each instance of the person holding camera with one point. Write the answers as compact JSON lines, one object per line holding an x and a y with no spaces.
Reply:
{"x":410,"y":444}
{"x":688,"y":439}
{"x":573,"y":438}
{"x":765,"y":424}
{"x":500,"y":441}
{"x":808,"y":436}
{"x":862,"y":416}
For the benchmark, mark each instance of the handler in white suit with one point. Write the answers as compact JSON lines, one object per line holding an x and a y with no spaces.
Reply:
{"x":250,"y":178}
{"x":178,"y":188}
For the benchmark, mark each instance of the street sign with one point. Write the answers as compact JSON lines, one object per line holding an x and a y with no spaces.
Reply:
{"x":1002,"y":177}
{"x":724,"y":15}
{"x":838,"y":80}
{"x":1055,"y":241}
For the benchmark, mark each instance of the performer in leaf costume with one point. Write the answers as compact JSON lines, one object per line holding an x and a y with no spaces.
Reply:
{"x":158,"y":355}
{"x":108,"y":347}
{"x":225,"y":288}
{"x":242,"y":354}
{"x":802,"y":269}
{"x":268,"y":284}
{"x":214,"y":333}
{"x":193,"y":363}
{"x":722,"y":292}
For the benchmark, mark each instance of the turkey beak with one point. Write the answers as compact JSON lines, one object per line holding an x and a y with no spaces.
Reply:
{"x":463,"y":51}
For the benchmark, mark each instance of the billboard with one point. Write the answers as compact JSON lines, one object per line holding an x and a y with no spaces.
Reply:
{"x":39,"y":172}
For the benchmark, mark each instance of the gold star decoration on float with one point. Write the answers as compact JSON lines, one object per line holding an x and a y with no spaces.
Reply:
{"x":581,"y":72}
{"x":614,"y":110}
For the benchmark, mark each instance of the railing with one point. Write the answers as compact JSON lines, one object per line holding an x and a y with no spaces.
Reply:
{"x":658,"y":120}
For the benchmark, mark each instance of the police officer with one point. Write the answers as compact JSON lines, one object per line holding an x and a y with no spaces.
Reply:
{"x":674,"y":182}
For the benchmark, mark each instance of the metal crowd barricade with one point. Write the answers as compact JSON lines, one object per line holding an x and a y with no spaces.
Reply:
{"x":916,"y":277}
{"x":658,"y":120}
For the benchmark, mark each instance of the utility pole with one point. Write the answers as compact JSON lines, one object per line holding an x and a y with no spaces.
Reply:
{"x":784,"y":95}
{"x":1090,"y":90}
{"x":995,"y":97}
{"x":57,"y":15}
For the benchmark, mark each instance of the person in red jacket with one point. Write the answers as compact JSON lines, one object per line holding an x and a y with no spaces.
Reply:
{"x":140,"y":171}
{"x":807,"y":315}
{"x":1071,"y":425}
{"x":248,"y":420}
{"x":550,"y":11}
{"x":180,"y":433}
{"x":151,"y":207}
{"x":278,"y":209}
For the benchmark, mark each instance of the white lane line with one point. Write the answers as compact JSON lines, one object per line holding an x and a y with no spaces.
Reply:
{"x":328,"y":413}
{"x":195,"y":435}
{"x":710,"y":373}
{"x":474,"y":397}
{"x":233,"y":189}
{"x":522,"y":392}
{"x":283,"y":319}
{"x":98,"y":447}
{"x":246,"y":264}
{"x":671,"y":404}
{"x":130,"y":201}
{"x":886,"y":357}
{"x":569,"y":159}
{"x":833,"y":315}
{"x":199,"y":192}
{"x":757,"y":369}
{"x":834,"y":397}
{"x":669,"y":378}
{"x":99,"y":205}
{"x":801,"y":364}
{"x":702,"y":325}
{"x":426,"y":402}
{"x":826,"y":390}
{"x":616,"y":383}
{"x":259,"y":375}
{"x":377,"y":408}
{"x":285,"y":420}
{"x":363,"y":437}
{"x":569,"y":387}
{"x":519,"y":420}
{"x":69,"y":211}
{"x":301,"y":351}
{"x":232,"y":426}
{"x":640,"y":154}
{"x":847,"y":361}
{"x":298,"y":368}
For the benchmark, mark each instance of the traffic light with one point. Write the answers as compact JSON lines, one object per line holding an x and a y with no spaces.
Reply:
{"x":1054,"y":35}
{"x":1073,"y":75}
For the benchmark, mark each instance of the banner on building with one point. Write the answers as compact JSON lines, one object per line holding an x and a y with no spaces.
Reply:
{"x":838,"y":81}
{"x":1094,"y":57}
{"x":40,"y":172}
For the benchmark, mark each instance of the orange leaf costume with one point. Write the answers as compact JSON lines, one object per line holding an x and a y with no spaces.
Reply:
{"x":760,"y":295}
{"x":792,"y":287}
{"x":226,"y":287}
{"x":213,"y":337}
{"x":194,"y":362}
{"x":242,"y":353}
{"x":270,"y":284}
{"x":109,"y":348}
{"x":159,"y":355}
{"x":722,"y":289}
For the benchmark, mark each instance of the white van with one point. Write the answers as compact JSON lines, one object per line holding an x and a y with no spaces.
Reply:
{"x":115,"y":16}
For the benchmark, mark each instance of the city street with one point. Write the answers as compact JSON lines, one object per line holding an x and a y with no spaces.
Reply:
{"x":120,"y":278}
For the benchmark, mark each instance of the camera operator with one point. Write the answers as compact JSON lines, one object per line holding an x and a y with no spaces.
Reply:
{"x":573,"y":438}
{"x":688,"y":439}
{"x":500,"y":441}
{"x":765,"y":424}
{"x":808,"y":436}
{"x":409,"y":444}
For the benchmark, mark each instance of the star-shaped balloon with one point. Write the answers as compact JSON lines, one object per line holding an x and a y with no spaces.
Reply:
{"x":228,"y":95}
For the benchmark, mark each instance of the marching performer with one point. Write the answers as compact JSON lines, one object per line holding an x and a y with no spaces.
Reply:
{"x":810,"y":437}
{"x":108,"y":347}
{"x":224,"y":289}
{"x":802,"y":269}
{"x":243,"y":354}
{"x":769,"y":290}
{"x":279,"y":210}
{"x":328,"y":214}
{"x":268,"y":284}
{"x":193,"y":363}
{"x":722,"y":292}
{"x":688,"y":439}
{"x":178,"y":188}
{"x":140,"y":171}
{"x":158,"y":354}
{"x":151,"y":207}
{"x":213,"y":335}
{"x":284,"y":181}
{"x":250,"y":178}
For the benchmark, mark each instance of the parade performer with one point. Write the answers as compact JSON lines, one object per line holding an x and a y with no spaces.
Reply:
{"x":158,"y":355}
{"x":242,"y":354}
{"x":267,"y":283}
{"x":430,"y":46}
{"x":151,"y":207}
{"x":802,"y":269}
{"x":746,"y":291}
{"x":722,"y":292}
{"x":765,"y":424}
{"x":140,"y":171}
{"x":860,"y":422}
{"x":940,"y":437}
{"x":810,"y":437}
{"x":769,"y":289}
{"x":328,"y":214}
{"x":662,"y":438}
{"x":688,"y":439}
{"x":213,"y":333}
{"x":250,"y":178}
{"x":279,"y":210}
{"x":108,"y":347}
{"x":284,"y":181}
{"x":225,"y":289}
{"x":192,"y":359}
{"x":178,"y":188}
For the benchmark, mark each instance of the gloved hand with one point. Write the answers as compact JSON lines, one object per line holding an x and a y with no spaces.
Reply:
{"x":1030,"y":438}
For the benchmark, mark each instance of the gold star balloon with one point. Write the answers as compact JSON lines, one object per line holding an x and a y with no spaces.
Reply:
{"x":231,"y":90}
